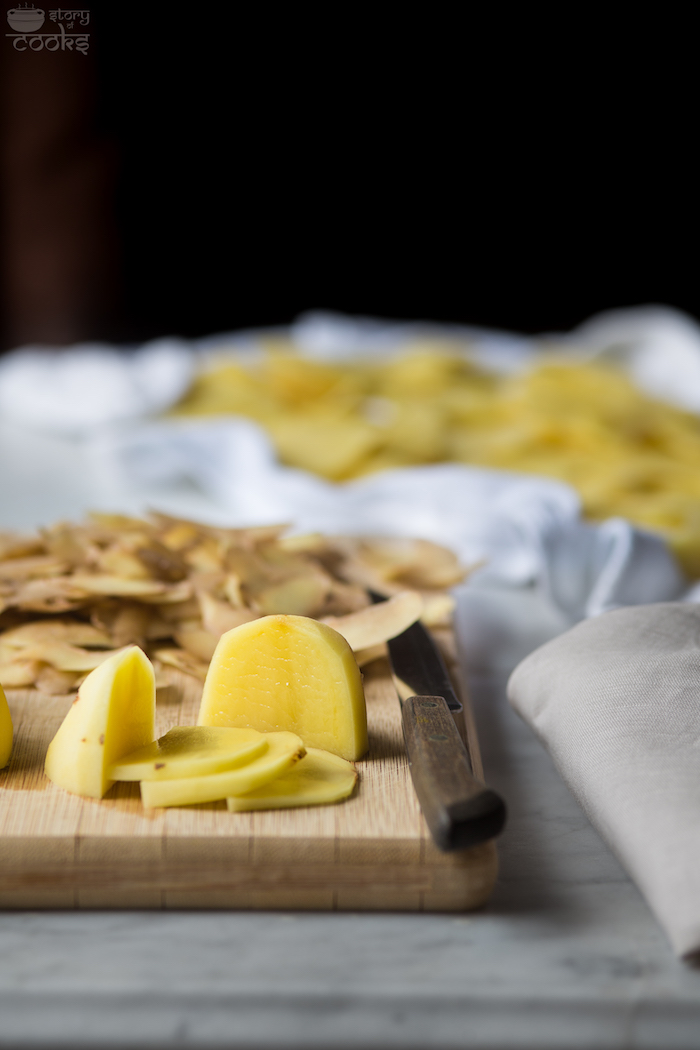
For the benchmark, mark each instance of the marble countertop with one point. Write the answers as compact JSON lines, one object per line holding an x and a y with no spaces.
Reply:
{"x":566,"y":954}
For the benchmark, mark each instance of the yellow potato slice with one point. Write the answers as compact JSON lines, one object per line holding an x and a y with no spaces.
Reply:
{"x":288,"y":672}
{"x":323,"y":444}
{"x":191,"y":751}
{"x":113,"y":714}
{"x":320,"y":778}
{"x":380,"y":622}
{"x":5,"y":730}
{"x":284,"y":749}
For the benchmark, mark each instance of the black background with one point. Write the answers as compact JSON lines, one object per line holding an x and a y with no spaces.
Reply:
{"x":418,"y":167}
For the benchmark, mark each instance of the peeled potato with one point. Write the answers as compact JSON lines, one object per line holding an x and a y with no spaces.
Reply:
{"x":113,"y":714}
{"x":191,"y":751}
{"x":5,"y":730}
{"x":318,"y":779}
{"x":291,"y":673}
{"x":284,"y":749}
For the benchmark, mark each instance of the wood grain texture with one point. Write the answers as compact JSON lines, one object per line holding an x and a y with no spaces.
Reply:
{"x":372,"y":852}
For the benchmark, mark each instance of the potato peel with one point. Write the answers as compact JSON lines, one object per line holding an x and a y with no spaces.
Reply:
{"x":75,"y":593}
{"x":378,"y":623}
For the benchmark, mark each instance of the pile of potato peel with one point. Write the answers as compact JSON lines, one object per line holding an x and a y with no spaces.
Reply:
{"x":73,"y":594}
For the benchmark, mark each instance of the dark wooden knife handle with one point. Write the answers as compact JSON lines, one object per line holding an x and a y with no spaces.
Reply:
{"x":459,"y":809}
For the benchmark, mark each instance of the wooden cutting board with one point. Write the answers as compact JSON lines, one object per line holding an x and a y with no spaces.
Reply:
{"x":372,"y":852}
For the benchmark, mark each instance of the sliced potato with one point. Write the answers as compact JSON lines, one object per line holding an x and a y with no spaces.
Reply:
{"x":284,"y":750}
{"x":320,"y":778}
{"x":191,"y":751}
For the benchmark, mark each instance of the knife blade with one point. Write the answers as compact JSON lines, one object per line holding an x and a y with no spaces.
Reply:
{"x":459,"y":809}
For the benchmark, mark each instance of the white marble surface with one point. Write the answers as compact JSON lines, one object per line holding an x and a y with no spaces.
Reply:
{"x":566,"y":955}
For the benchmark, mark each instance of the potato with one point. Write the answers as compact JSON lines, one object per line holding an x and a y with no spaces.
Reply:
{"x":191,"y":751}
{"x":284,"y":749}
{"x":318,"y":779}
{"x":5,"y":730}
{"x":113,"y":714}
{"x":286,"y":672}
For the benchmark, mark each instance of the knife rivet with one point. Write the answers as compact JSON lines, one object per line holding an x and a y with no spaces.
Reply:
{"x":438,"y":736}
{"x":428,"y":703}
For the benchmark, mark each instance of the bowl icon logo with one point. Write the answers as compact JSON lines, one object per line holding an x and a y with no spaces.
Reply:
{"x":26,"y":19}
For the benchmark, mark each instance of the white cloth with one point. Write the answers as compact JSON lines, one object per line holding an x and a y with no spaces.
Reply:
{"x":73,"y":390}
{"x":657,"y":346}
{"x":615,"y":701}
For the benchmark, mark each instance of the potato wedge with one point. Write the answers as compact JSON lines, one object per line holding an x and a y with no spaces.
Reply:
{"x":284,"y":750}
{"x":5,"y":730}
{"x":292,"y":673}
{"x":191,"y":751}
{"x":113,"y":714}
{"x":319,"y":779}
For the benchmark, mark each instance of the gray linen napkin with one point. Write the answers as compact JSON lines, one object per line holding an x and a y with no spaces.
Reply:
{"x":616,"y":700}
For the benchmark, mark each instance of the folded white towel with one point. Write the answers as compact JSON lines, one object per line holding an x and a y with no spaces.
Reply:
{"x":615,"y":701}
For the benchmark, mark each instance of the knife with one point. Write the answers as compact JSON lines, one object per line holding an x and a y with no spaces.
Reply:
{"x":458,"y":808}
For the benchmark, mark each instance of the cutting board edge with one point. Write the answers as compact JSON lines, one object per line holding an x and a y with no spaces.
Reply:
{"x":49,"y":872}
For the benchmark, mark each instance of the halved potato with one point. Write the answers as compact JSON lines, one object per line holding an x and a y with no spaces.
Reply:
{"x":113,"y":714}
{"x":318,"y":779}
{"x":284,"y":749}
{"x":191,"y":751}
{"x":5,"y":730}
{"x":286,"y":672}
